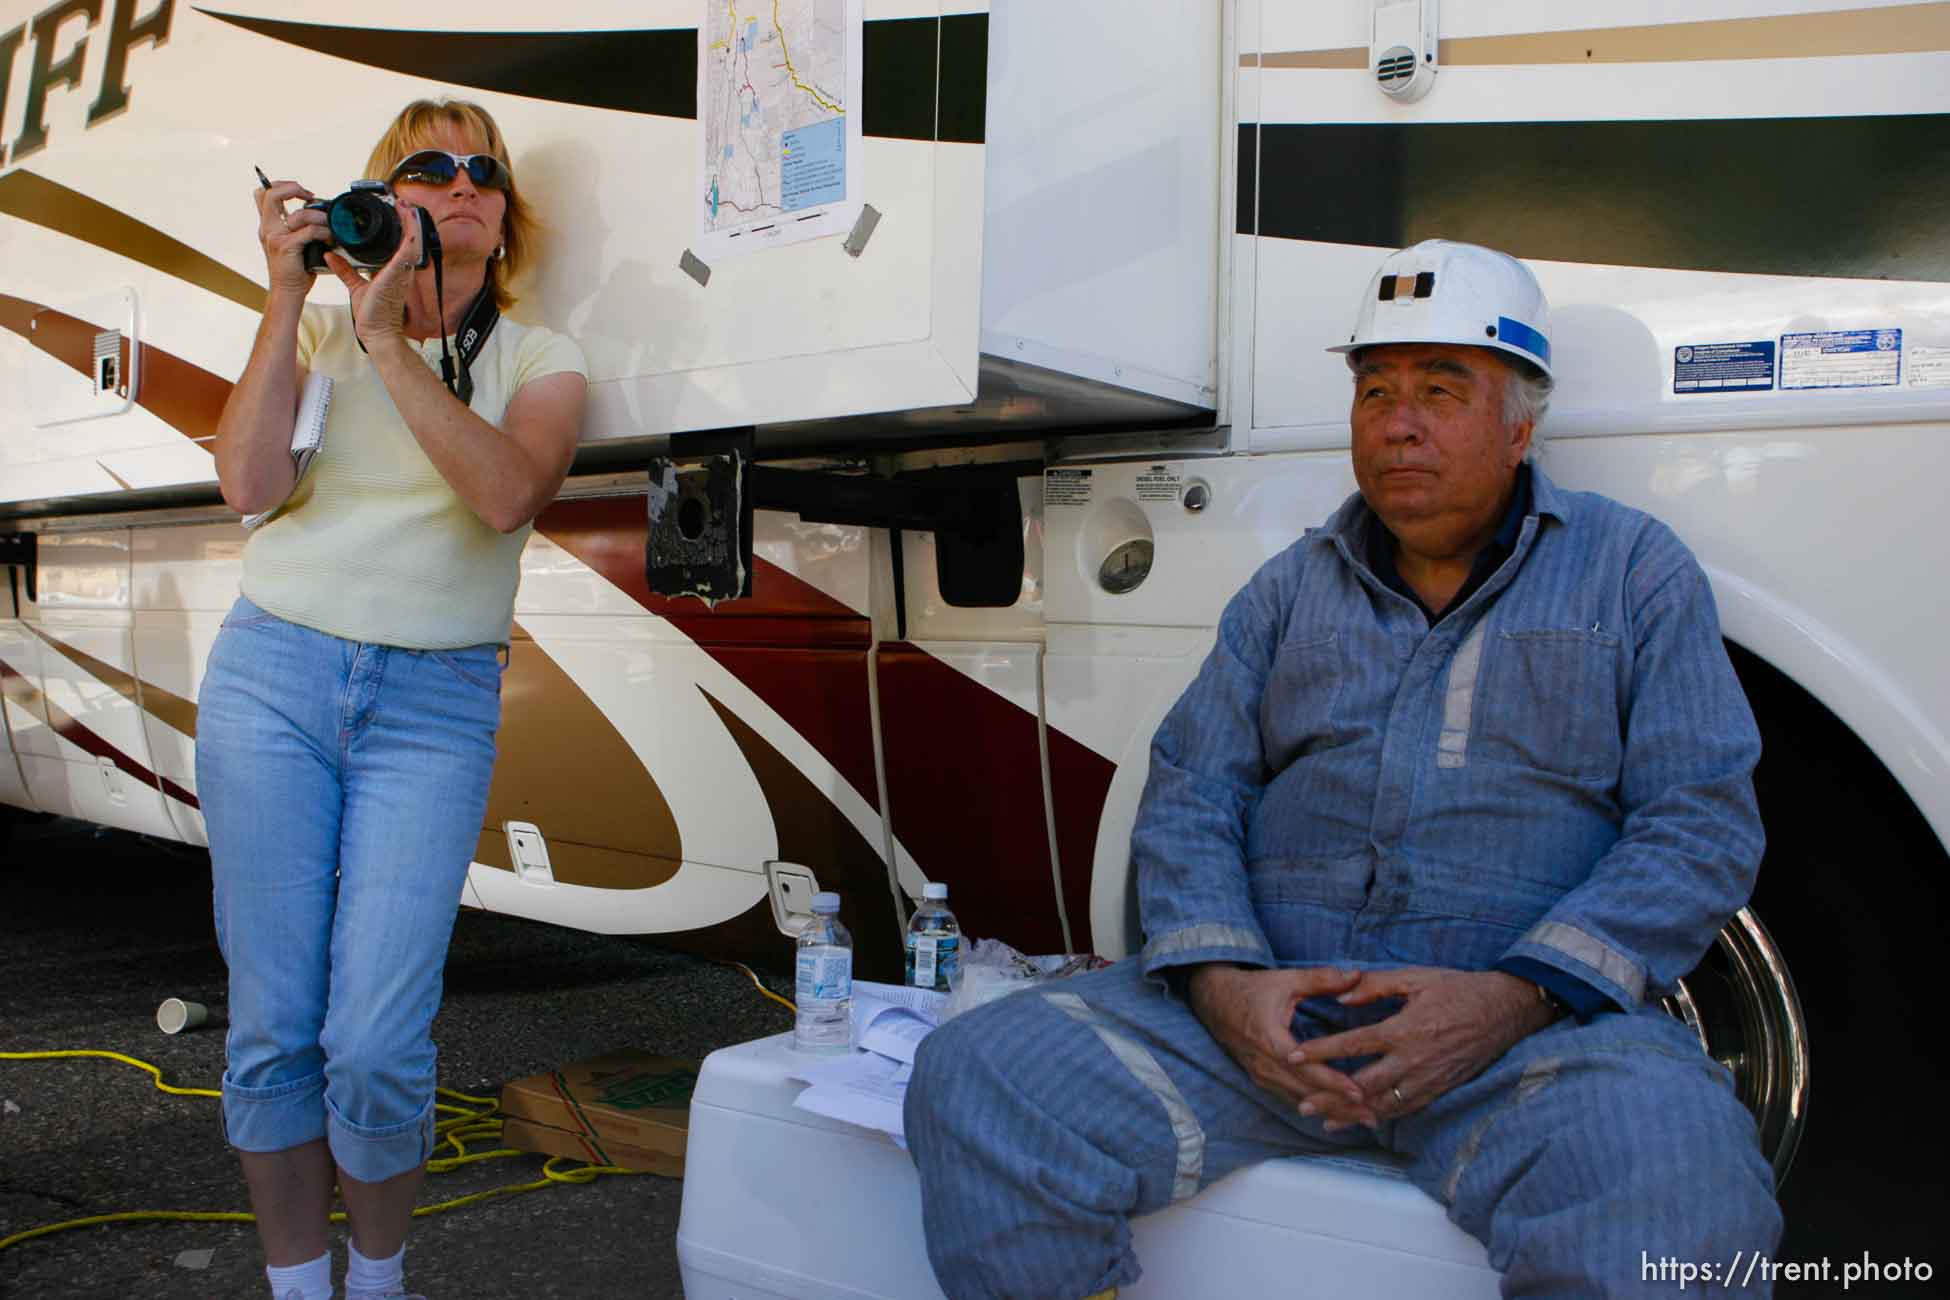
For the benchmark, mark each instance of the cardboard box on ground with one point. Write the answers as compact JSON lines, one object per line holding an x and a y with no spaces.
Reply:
{"x":627,"y":1108}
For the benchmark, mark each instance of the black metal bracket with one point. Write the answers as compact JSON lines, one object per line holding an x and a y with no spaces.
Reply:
{"x":20,"y":550}
{"x":699,"y":541}
{"x":974,"y":512}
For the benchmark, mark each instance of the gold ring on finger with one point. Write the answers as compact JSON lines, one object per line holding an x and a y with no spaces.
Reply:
{"x":1396,"y":1092}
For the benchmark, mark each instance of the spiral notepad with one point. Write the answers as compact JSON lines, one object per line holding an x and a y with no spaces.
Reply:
{"x":307,"y":433}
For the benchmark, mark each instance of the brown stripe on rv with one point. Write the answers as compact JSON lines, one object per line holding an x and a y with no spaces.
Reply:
{"x":116,"y":679}
{"x":1894,"y":29}
{"x":1864,"y":197}
{"x":943,"y":730}
{"x":921,"y":78}
{"x":815,"y":833}
{"x":819,"y":688}
{"x":182,"y":395}
{"x":15,"y":686}
{"x":43,"y":202}
{"x":171,"y":710}
{"x":165,"y":706}
{"x":120,"y":482}
{"x":559,"y":762}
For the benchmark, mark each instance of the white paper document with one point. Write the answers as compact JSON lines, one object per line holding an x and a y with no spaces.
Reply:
{"x":925,"y":1003}
{"x":868,"y":1085}
{"x":892,"y":1020}
{"x":860,"y":1088}
{"x":896,"y":1034}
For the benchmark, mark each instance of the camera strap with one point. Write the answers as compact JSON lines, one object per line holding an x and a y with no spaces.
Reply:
{"x":472,"y":336}
{"x":481,"y":318}
{"x":475,"y":327}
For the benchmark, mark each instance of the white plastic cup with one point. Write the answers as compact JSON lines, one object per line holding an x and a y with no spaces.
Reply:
{"x":175,"y":1015}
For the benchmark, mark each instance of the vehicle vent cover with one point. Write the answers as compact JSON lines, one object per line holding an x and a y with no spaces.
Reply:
{"x":1403,"y":49}
{"x":1394,"y":67}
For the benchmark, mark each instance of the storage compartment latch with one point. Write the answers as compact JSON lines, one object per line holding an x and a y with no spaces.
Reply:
{"x":792,"y":887}
{"x":528,"y":852}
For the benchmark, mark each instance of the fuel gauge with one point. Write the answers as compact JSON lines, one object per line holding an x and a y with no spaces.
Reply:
{"x":1126,"y":567}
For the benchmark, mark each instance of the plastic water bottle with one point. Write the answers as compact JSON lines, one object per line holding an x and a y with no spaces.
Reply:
{"x":824,"y":992}
{"x":933,"y":941}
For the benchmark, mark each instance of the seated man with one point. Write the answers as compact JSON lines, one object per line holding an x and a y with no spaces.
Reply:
{"x":1463,"y":786}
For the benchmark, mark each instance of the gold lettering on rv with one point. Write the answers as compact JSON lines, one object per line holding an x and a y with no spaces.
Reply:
{"x":45,"y":72}
{"x":125,"y":32}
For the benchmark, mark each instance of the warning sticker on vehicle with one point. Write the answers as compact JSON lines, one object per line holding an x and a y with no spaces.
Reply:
{"x":1159,"y":483}
{"x":1929,"y":368}
{"x":1719,"y":367}
{"x":1842,"y":359}
{"x":1066,"y":487}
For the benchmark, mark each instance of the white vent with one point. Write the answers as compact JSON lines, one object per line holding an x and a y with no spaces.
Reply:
{"x":74,"y":375}
{"x":1403,"y":52}
{"x":108,"y":362}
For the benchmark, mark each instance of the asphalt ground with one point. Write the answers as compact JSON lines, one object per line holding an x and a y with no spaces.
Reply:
{"x":97,"y":928}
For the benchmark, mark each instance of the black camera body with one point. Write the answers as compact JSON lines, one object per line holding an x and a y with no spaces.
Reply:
{"x":365,"y":229}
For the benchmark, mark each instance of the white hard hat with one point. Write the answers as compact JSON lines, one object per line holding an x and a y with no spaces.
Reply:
{"x":1439,"y":291}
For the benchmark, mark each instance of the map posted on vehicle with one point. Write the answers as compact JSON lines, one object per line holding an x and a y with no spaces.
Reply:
{"x":778,"y":94}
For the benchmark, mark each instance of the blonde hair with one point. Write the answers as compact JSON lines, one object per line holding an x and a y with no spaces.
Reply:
{"x":416,"y":128}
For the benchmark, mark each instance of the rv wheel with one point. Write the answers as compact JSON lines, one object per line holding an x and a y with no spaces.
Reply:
{"x":1741,"y":1002}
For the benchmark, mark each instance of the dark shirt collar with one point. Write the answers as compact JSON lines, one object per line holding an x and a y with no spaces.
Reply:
{"x":1381,"y":551}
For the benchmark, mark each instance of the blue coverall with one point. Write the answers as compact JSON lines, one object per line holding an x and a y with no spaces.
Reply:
{"x":1560,"y":769}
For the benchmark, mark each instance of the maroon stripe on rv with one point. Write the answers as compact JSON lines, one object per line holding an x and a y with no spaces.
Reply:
{"x":184,"y":396}
{"x":798,"y":649}
{"x":78,"y":734}
{"x":965,"y":779}
{"x":964,"y":776}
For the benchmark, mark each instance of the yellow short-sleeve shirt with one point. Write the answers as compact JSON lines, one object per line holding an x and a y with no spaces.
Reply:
{"x":373,"y":544}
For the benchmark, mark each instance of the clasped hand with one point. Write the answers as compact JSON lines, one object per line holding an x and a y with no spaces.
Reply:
{"x":1451,"y":1026}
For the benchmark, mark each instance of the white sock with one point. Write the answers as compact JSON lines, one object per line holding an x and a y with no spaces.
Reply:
{"x":382,"y":1275}
{"x":313,"y":1281}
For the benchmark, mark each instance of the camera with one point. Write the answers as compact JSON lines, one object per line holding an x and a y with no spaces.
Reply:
{"x":365,"y":228}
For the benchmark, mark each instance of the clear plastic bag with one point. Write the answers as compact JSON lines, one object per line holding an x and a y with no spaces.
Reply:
{"x":991,"y":969}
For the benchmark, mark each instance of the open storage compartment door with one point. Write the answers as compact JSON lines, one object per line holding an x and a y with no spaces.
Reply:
{"x":806,"y":244}
{"x":1009,"y":254}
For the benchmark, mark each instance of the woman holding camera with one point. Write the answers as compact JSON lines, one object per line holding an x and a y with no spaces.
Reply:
{"x":347,"y":716}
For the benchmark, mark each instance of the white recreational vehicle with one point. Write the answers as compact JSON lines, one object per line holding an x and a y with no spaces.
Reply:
{"x":982,"y":346}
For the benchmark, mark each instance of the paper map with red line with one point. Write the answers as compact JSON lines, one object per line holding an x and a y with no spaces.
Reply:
{"x":776,"y":85}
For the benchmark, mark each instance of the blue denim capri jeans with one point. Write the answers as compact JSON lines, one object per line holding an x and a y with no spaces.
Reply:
{"x":343,"y":785}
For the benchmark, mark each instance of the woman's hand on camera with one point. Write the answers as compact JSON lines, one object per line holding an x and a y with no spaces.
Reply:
{"x":379,"y":304}
{"x":284,"y":235}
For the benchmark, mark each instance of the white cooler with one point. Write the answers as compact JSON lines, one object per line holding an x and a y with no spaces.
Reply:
{"x":782,"y":1204}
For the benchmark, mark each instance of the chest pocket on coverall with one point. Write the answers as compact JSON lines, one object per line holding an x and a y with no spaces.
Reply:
{"x":1549,"y":701}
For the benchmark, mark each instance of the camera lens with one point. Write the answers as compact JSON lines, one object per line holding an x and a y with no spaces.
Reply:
{"x":365,"y":226}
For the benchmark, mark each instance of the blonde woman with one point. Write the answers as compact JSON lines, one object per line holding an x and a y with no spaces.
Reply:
{"x":347,"y":716}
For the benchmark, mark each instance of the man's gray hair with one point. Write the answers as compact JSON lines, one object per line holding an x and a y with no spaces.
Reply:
{"x":1526,"y":395}
{"x":1526,"y":389}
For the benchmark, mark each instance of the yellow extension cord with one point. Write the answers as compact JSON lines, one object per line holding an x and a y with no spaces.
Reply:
{"x":461,"y":1126}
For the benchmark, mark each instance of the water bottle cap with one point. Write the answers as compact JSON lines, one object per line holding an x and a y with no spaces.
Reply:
{"x":934,"y":890}
{"x":826,"y":901}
